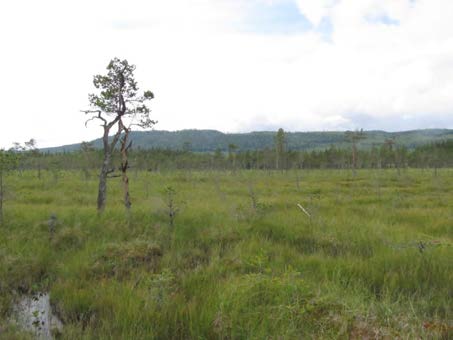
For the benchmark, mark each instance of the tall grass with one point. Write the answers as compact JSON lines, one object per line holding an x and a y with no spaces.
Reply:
{"x":241,"y":261}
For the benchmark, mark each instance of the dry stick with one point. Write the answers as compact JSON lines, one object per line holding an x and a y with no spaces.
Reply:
{"x":303,"y":209}
{"x":306,"y":213}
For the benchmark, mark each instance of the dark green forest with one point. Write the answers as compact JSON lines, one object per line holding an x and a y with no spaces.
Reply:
{"x":389,"y":154}
{"x":211,"y":140}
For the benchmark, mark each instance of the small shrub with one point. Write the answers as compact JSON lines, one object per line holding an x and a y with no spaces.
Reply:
{"x":161,"y":285}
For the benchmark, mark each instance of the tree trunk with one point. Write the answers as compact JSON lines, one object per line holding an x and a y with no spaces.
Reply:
{"x":1,"y":197}
{"x":124,"y":165}
{"x":105,"y":169}
{"x":102,"y":192}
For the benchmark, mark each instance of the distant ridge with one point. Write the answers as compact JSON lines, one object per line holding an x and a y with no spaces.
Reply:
{"x":211,"y":140}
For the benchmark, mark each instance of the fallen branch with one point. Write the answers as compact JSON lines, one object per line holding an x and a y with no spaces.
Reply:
{"x":304,"y":210}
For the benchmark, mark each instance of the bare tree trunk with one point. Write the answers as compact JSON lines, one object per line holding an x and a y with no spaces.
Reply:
{"x":124,"y":165}
{"x":1,"y":197}
{"x":105,"y":170}
{"x":102,"y":192}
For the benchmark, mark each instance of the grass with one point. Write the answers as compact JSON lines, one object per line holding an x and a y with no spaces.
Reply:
{"x":242,"y":260}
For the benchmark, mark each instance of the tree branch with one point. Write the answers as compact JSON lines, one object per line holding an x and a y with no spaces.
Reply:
{"x":95,"y":117}
{"x":118,"y":133}
{"x":113,"y":122}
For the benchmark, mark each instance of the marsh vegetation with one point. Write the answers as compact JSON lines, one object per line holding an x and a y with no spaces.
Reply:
{"x":230,"y":255}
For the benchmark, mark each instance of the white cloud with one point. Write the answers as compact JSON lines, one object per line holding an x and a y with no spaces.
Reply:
{"x":316,"y":10}
{"x":206,"y":73}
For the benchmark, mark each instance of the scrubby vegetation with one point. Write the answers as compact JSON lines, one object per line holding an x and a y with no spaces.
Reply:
{"x":369,"y":258}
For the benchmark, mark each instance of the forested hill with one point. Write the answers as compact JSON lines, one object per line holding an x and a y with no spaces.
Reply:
{"x":211,"y":140}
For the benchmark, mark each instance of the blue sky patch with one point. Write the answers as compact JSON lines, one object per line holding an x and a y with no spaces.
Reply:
{"x":278,"y":18}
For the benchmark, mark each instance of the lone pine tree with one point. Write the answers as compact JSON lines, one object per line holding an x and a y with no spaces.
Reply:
{"x":118,"y":106}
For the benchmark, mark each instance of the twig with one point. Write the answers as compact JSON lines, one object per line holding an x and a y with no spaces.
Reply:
{"x":304,"y":210}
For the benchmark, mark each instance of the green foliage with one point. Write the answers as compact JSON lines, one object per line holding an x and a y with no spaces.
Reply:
{"x":118,"y":93}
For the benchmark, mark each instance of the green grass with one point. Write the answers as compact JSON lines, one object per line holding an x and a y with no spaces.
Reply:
{"x":242,"y":261}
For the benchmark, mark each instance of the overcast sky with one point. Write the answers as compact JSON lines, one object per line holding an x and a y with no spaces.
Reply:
{"x":230,"y":65}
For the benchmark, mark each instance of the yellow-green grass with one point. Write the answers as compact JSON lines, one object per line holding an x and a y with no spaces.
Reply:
{"x":242,"y":261}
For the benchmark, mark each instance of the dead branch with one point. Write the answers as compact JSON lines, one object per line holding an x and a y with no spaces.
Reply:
{"x":304,"y":210}
{"x":98,"y":116}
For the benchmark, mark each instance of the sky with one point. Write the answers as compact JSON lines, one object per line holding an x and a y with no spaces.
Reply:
{"x":229,"y":65}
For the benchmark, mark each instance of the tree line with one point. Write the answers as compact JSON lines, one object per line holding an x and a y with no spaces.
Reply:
{"x":385,"y":156}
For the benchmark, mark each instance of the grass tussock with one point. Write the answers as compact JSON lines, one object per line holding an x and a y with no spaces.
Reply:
{"x":119,"y":259}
